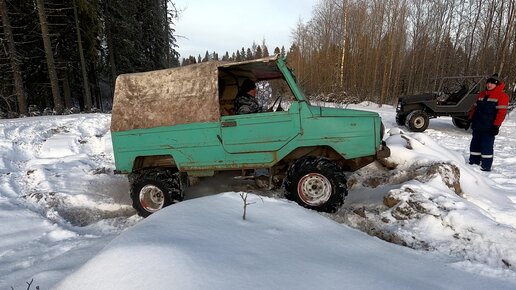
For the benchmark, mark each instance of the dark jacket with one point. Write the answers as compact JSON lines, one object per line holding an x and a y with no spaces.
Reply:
{"x":490,"y":109}
{"x":246,"y":104}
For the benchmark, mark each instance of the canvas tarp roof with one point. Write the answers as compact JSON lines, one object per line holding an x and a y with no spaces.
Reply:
{"x":166,"y":97}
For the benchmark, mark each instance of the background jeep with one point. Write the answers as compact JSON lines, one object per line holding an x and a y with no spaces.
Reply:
{"x":174,"y":123}
{"x":453,"y":96}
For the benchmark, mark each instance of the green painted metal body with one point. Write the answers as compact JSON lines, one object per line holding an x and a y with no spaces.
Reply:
{"x":255,"y":140}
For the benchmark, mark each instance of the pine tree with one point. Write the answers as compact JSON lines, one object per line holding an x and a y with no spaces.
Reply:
{"x":18,"y":82}
{"x":206,"y":57}
{"x":86,"y":84}
{"x":52,"y":72}
{"x":283,"y":53}
{"x":258,"y":53}
{"x":226,"y":56}
{"x":249,"y":54}
{"x":265,"y":50}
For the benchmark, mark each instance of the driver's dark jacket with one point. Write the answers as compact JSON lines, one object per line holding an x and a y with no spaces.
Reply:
{"x":489,"y":109}
{"x":246,"y":104}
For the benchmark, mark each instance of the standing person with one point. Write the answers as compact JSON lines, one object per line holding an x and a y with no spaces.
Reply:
{"x":246,"y":102}
{"x":486,"y":118}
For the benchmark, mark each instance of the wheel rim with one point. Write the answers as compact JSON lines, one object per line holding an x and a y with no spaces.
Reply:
{"x":314,"y":189}
{"x":419,"y":122}
{"x":151,"y":198}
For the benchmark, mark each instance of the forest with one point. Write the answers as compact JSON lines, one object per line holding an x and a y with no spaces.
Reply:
{"x":378,"y":49}
{"x":63,"y":56}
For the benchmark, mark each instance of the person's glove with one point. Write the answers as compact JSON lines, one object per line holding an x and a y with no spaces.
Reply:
{"x":495,"y":130}
{"x":468,"y":124}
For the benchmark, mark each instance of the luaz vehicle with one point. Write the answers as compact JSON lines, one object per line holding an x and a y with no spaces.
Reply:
{"x":453,"y":96}
{"x":172,"y":124}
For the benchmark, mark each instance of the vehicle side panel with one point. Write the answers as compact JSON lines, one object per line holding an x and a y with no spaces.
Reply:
{"x":198,"y":146}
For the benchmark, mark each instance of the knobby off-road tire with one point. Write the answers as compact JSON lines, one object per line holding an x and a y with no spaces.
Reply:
{"x":154,"y":189}
{"x":316,"y":183}
{"x":417,"y":121}
{"x":459,"y":123}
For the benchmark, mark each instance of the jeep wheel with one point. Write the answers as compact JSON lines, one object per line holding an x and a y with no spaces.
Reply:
{"x":316,"y":183}
{"x":154,"y":189}
{"x":400,"y":119}
{"x":417,"y":121}
{"x":459,"y":122}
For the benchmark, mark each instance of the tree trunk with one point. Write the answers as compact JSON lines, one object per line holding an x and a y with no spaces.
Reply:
{"x":509,"y":28}
{"x":66,"y":91}
{"x":18,"y":82}
{"x":344,"y":36}
{"x":58,"y":103}
{"x":472,"y":33}
{"x":168,"y":56}
{"x":86,"y":84}
{"x":111,"y":47}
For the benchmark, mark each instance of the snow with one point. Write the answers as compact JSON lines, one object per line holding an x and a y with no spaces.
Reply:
{"x":427,"y":221}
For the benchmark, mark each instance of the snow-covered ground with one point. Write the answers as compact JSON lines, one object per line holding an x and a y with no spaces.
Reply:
{"x":65,"y":215}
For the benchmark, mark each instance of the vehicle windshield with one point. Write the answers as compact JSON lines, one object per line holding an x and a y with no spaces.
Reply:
{"x":271,"y":85}
{"x":450,"y":85}
{"x":270,"y":92}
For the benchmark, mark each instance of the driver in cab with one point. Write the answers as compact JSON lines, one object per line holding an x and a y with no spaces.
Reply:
{"x":246,"y":102}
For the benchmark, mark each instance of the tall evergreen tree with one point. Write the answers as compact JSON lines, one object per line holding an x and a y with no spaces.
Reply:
{"x":258,"y":53}
{"x":249,"y":55}
{"x":17,"y":76}
{"x":206,"y":57}
{"x":226,"y":56}
{"x":265,"y":49}
{"x":54,"y":82}
{"x":86,"y":83}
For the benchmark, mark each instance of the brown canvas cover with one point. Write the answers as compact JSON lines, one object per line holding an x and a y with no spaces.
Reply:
{"x":166,"y":97}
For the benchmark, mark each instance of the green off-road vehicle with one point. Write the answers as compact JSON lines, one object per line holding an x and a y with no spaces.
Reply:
{"x":176,"y":123}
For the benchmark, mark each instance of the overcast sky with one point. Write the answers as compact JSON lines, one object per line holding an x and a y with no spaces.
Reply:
{"x":229,"y":25}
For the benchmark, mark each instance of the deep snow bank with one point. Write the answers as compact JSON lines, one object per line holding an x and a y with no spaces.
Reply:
{"x":205,"y":244}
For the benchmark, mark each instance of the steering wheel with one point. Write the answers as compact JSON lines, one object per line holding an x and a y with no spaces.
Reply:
{"x":279,"y":108}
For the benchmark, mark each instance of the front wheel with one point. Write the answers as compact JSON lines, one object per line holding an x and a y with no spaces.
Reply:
{"x":316,"y":183}
{"x":154,"y":189}
{"x":417,"y":121}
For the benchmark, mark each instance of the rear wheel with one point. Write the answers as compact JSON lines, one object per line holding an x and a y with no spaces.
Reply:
{"x":417,"y":121}
{"x":316,"y":183}
{"x":459,"y":122}
{"x":154,"y":189}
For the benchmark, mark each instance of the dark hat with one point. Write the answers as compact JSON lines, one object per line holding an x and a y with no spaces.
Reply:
{"x":247,"y":85}
{"x":494,"y":79}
